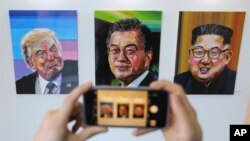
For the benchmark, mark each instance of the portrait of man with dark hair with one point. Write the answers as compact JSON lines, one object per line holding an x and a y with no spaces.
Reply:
{"x":138,"y":111}
{"x":209,"y":56}
{"x":123,"y":111}
{"x":129,"y":45}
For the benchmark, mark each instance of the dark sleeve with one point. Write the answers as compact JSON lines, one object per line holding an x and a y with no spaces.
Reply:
{"x":69,"y":76}
{"x":181,"y":78}
{"x":230,"y":82}
{"x":26,"y":85}
{"x":185,"y":80}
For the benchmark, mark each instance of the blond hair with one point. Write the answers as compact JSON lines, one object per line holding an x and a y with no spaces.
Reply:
{"x":34,"y":37}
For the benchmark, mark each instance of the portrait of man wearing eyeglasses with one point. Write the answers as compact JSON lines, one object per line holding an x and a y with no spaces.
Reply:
{"x":209,"y":56}
{"x":130,"y":52}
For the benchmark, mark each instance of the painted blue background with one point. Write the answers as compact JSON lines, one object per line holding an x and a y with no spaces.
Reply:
{"x":62,"y":22}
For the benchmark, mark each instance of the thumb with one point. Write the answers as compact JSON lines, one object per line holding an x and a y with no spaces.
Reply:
{"x":91,"y":131}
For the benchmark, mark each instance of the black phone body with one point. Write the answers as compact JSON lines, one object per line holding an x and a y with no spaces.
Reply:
{"x":126,"y":107}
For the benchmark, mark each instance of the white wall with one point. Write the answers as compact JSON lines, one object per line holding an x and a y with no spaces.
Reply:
{"x":20,"y":115}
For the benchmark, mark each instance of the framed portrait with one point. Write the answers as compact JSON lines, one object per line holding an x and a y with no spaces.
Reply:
{"x":127,"y":46}
{"x":45,"y":50}
{"x":208,"y":50}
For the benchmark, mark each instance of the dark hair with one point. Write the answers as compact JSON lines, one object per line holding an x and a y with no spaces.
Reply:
{"x":132,"y":24}
{"x":215,"y":29}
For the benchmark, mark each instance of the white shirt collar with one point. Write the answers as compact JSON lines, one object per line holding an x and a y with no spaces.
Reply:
{"x":44,"y":82}
{"x":138,"y":80}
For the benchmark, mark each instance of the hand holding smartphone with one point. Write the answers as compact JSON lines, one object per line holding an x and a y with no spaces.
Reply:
{"x":126,"y":107}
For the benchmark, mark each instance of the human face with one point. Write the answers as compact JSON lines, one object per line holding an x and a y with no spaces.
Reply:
{"x":123,"y":110}
{"x":205,"y":69}
{"x":138,"y":111}
{"x":46,"y":58}
{"x":127,"y":57}
{"x":106,"y":109}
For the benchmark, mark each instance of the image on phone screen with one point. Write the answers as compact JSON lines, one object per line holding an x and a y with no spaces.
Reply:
{"x":106,"y":110}
{"x":123,"y":102}
{"x":131,"y":108}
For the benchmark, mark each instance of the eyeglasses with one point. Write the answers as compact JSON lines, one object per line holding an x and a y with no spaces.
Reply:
{"x":214,"y":53}
{"x":128,"y":51}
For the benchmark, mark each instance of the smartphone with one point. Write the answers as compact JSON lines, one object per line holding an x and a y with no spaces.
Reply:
{"x":126,"y":107}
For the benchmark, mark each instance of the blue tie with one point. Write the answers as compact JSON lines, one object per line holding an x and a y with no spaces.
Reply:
{"x":50,"y":86}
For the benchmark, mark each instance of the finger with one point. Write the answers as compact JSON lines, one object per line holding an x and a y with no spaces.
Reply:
{"x":178,"y":108}
{"x":69,"y":103}
{"x":142,"y":131}
{"x":168,"y":86}
{"x":178,"y":99}
{"x":76,"y":126}
{"x":77,"y":116}
{"x":77,"y":112}
{"x":182,"y":100}
{"x":157,"y":84}
{"x":91,"y":131}
{"x":173,"y":89}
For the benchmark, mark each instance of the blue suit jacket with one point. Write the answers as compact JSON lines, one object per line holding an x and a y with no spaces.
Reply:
{"x":26,"y":85}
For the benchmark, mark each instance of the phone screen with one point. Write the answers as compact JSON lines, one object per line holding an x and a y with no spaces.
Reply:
{"x":123,"y":109}
{"x":132,"y":108}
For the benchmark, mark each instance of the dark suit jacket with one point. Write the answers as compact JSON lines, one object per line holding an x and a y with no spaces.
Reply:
{"x":148,"y":79}
{"x":223,"y":84}
{"x":26,"y":85}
